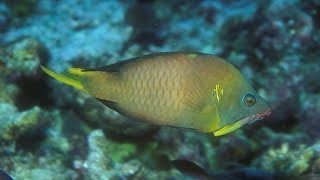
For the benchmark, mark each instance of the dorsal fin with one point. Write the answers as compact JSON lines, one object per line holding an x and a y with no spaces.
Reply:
{"x":116,"y":67}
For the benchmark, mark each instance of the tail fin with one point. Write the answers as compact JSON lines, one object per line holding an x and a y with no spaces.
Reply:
{"x":72,"y":77}
{"x":5,"y":176}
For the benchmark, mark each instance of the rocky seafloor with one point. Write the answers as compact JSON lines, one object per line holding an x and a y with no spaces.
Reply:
{"x":51,"y":131}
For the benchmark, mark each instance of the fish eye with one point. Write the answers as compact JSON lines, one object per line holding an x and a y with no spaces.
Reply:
{"x":249,"y":100}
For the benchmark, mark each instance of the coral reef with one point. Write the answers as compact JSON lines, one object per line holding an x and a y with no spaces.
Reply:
{"x":287,"y":161}
{"x":23,"y":7}
{"x":19,"y":59}
{"x":34,"y":166}
{"x":310,"y":113}
{"x":22,"y":57}
{"x":108,"y":160}
{"x":98,"y":161}
{"x":8,"y":92}
{"x":15,"y":124}
{"x":4,"y":17}
{"x":91,"y":32}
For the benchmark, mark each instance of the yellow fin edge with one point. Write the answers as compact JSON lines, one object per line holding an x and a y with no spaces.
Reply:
{"x":227,"y":129}
{"x":76,"y":71}
{"x":65,"y":79}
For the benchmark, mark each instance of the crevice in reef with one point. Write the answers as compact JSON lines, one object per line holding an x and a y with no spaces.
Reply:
{"x":34,"y":91}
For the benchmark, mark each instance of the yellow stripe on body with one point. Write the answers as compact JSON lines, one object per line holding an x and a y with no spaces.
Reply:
{"x":218,"y":90}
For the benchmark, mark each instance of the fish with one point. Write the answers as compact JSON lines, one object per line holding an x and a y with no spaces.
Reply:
{"x":187,"y":90}
{"x":5,"y":176}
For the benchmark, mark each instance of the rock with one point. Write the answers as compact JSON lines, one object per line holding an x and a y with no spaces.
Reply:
{"x":131,"y":168}
{"x":235,"y":148}
{"x":179,"y":144}
{"x":14,"y":124}
{"x":35,"y":166}
{"x":22,"y":8}
{"x":4,"y":17}
{"x":8,"y":92}
{"x":286,"y":160}
{"x":98,"y":164}
{"x":56,"y":139}
{"x":22,"y":57}
{"x":91,"y":33}
{"x":114,"y":160}
{"x":310,"y":111}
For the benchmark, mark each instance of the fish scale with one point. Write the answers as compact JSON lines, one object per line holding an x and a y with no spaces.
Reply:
{"x":141,"y":84}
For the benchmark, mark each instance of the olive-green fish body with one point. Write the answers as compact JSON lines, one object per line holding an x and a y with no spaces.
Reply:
{"x":187,"y":90}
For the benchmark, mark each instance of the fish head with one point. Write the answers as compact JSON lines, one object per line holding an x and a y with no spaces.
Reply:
{"x":238,"y":104}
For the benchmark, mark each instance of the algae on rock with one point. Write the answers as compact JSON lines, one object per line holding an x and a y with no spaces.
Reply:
{"x":22,"y":56}
{"x":14,"y":124}
{"x":286,"y":160}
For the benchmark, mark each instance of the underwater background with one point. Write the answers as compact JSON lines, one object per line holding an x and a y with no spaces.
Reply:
{"x":51,"y":131}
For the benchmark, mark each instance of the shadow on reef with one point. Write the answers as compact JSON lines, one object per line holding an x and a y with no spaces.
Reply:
{"x":21,"y":8}
{"x":21,"y":59}
{"x":195,"y":171}
{"x":146,"y":26}
{"x":34,"y":91}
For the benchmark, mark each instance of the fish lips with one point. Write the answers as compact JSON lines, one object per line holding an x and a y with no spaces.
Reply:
{"x":236,"y":125}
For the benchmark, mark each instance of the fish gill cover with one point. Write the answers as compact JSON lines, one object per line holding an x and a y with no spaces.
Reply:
{"x":49,"y":130}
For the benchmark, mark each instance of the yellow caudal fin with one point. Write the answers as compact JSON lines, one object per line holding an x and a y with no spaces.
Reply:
{"x":72,"y":77}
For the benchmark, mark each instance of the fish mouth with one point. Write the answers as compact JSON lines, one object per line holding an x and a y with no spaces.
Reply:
{"x":236,"y":125}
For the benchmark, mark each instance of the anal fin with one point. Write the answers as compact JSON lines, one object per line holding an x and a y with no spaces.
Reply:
{"x":114,"y":106}
{"x":110,"y":104}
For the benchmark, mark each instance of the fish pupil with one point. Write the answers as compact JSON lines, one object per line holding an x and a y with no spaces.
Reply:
{"x":249,"y":100}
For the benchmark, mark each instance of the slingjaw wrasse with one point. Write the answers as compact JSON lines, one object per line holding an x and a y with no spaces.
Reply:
{"x":186,"y":90}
